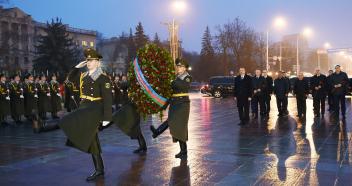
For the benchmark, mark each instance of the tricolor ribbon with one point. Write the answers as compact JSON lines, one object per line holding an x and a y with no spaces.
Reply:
{"x":146,"y":87}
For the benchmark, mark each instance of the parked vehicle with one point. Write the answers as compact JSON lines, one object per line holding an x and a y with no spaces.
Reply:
{"x":219,"y":86}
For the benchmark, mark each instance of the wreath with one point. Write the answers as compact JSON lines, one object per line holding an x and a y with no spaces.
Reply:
{"x":150,"y":76}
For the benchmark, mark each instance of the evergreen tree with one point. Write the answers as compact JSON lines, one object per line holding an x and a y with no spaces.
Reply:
{"x":56,"y":51}
{"x":131,"y":46}
{"x":157,"y":40}
{"x":140,"y":38}
{"x":206,"y":67}
{"x":207,"y":48}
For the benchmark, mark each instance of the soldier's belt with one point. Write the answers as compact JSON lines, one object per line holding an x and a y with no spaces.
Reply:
{"x":180,"y":95}
{"x":90,"y":98}
{"x":75,"y":90}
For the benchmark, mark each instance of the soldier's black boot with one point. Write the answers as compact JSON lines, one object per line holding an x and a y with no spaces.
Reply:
{"x":142,"y":145}
{"x":160,"y":129}
{"x":99,"y":168}
{"x":183,"y":153}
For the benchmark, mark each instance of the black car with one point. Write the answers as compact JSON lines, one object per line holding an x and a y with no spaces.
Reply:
{"x":219,"y":86}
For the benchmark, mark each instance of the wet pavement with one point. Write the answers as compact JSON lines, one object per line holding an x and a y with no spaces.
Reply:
{"x":282,"y":151}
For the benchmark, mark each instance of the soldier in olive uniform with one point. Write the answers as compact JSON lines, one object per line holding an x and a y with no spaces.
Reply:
{"x":124,"y":90}
{"x":55,"y":97}
{"x":117,"y":92}
{"x":81,"y":126}
{"x":5,"y":108}
{"x":179,"y":109}
{"x":71,"y":96}
{"x":16,"y":99}
{"x":30,"y":96}
{"x":44,"y":103}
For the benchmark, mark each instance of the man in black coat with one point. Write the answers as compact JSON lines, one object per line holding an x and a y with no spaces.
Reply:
{"x":267,"y":91}
{"x":339,"y":83}
{"x":329,"y":87}
{"x":318,"y":85}
{"x":258,"y":86}
{"x":243,"y":94}
{"x":281,"y":90}
{"x":301,"y":91}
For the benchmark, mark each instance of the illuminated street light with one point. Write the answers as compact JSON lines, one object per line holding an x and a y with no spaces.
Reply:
{"x":279,"y":23}
{"x":327,"y":45}
{"x":179,"y":6}
{"x":307,"y":32}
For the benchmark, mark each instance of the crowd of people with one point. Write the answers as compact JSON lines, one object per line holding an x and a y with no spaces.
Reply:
{"x":256,"y":91}
{"x":31,"y":96}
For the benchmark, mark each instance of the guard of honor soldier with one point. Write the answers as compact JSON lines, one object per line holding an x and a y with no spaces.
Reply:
{"x":55,"y":96}
{"x":179,"y":109}
{"x":16,"y":99}
{"x":4,"y":100}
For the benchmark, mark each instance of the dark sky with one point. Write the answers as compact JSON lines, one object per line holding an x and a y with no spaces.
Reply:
{"x":330,"y":19}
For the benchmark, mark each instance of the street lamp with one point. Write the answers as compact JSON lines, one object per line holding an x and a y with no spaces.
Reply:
{"x":178,"y":7}
{"x":279,"y":23}
{"x":307,"y":32}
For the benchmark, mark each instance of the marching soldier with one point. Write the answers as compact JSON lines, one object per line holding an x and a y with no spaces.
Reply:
{"x":124,"y":90}
{"x":339,"y":83}
{"x":179,"y":109}
{"x":258,"y":86}
{"x":329,"y":87}
{"x":301,"y":91}
{"x":44,"y":102}
{"x":281,"y":90}
{"x":81,"y":126}
{"x":243,"y":94}
{"x":71,"y":96}
{"x":30,"y":96}
{"x":55,"y":97}
{"x":318,"y":85}
{"x":5,"y":108}
{"x":16,"y":99}
{"x":267,"y":92}
{"x":117,"y":92}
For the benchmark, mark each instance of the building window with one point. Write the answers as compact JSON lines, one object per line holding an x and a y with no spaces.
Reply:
{"x":84,"y":43}
{"x":91,"y":44}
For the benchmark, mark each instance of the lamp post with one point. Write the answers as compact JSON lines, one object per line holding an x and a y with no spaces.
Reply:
{"x":307,"y":32}
{"x":178,"y":7}
{"x":279,"y":23}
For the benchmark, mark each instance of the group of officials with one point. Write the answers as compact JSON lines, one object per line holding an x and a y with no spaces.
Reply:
{"x":29,"y":96}
{"x":256,"y":91}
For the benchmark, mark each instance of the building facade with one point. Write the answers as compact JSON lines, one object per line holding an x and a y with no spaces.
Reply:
{"x":19,"y":34}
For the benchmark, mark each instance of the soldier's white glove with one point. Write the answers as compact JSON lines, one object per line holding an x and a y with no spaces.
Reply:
{"x":72,"y":97}
{"x":21,"y":96}
{"x":81,"y":64}
{"x":249,"y":99}
{"x":8,"y":98}
{"x":58,"y":94}
{"x":36,"y":96}
{"x":104,"y":123}
{"x":113,"y":91}
{"x":48,"y":94}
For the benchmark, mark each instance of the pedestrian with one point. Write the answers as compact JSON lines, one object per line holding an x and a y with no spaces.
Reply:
{"x":329,"y":87}
{"x":267,"y":91}
{"x":339,"y":83}
{"x":301,"y":91}
{"x":258,"y":87}
{"x":318,"y":84}
{"x":243,"y":95}
{"x":179,"y":109}
{"x":281,"y":90}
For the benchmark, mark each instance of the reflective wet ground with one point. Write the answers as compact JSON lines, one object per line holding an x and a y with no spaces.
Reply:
{"x":275,"y":152}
